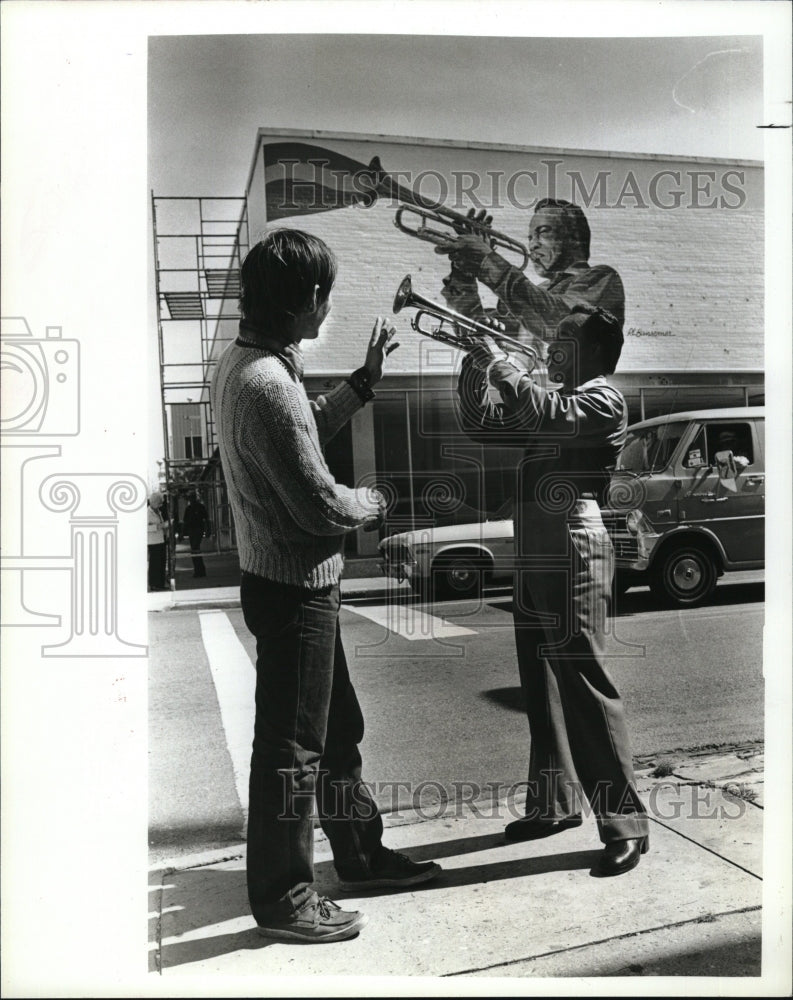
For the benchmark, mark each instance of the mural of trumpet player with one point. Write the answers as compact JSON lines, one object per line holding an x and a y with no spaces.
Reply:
{"x":558,"y":248}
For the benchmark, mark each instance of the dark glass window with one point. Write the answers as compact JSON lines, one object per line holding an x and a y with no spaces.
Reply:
{"x":193,"y":447}
{"x":734,"y":437}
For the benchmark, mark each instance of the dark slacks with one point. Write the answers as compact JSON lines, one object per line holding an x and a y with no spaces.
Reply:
{"x":580,"y":749}
{"x":305,"y":747}
{"x":156,"y":567}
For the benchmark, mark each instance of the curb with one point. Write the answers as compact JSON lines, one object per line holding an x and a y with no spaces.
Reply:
{"x":372,"y":588}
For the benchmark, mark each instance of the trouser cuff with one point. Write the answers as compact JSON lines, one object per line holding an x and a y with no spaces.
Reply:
{"x":627,"y":827}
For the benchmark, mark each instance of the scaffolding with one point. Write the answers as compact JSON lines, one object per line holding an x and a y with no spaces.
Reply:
{"x":199,"y":243}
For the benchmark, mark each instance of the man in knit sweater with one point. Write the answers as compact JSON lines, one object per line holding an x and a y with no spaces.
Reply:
{"x":291,"y":517}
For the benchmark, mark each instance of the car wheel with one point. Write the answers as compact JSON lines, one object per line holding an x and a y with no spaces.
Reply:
{"x":459,"y":576}
{"x":685,"y":576}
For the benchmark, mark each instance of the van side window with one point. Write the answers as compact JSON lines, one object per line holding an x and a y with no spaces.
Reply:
{"x":736,"y":438}
{"x":696,"y":454}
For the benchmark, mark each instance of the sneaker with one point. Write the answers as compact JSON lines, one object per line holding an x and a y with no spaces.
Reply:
{"x":389,"y":870}
{"x":320,"y":919}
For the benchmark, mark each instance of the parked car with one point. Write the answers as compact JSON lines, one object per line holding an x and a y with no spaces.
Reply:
{"x":695,"y":484}
{"x":685,"y":506}
{"x":454,"y":560}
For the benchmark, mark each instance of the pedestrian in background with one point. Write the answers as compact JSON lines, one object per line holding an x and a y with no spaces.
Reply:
{"x":155,"y":530}
{"x":195,"y":525}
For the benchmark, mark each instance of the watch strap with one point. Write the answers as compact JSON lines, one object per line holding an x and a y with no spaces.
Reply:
{"x":359,"y":380}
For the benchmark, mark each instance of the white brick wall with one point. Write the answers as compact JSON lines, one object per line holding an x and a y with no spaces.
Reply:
{"x":693,"y":276}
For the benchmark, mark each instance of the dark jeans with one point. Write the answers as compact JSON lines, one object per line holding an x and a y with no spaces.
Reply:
{"x":305,"y":747}
{"x":195,"y":548}
{"x":580,"y":748}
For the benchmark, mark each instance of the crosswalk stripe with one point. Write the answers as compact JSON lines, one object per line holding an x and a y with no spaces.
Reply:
{"x":408,"y":622}
{"x":234,"y":677}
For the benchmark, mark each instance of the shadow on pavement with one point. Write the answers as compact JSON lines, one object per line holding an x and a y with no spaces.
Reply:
{"x":726,"y":594}
{"x":226,"y":889}
{"x":506,"y":697}
{"x":640,"y":600}
{"x":211,"y":947}
{"x":740,"y":958}
{"x":732,"y":960}
{"x":194,"y":837}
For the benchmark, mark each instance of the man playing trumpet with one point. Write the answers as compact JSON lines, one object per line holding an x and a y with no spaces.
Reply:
{"x":580,"y":748}
{"x":559,"y":239}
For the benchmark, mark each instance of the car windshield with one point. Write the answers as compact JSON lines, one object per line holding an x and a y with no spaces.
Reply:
{"x":650,"y":449}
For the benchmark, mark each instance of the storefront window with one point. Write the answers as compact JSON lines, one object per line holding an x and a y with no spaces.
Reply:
{"x":432,"y":474}
{"x":393,"y":458}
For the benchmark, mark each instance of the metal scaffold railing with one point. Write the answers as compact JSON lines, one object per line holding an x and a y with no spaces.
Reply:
{"x":199,"y":243}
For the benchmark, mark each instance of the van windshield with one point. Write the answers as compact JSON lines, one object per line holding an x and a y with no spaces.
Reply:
{"x":651,"y":448}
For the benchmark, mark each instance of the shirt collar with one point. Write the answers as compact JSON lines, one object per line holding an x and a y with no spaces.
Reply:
{"x":254,"y":336}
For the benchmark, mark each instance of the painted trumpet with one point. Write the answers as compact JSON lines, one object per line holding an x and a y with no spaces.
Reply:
{"x":454,"y":328}
{"x":427,"y":212}
{"x":460,"y":224}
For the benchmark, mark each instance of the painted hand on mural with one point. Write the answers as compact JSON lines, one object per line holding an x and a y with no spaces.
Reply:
{"x":466,"y":253}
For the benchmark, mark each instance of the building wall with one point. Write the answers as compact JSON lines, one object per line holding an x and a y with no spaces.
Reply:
{"x":685,"y":235}
{"x":187,"y":421}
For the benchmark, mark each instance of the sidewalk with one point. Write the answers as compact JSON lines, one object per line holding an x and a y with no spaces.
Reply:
{"x":223,"y":568}
{"x":691,"y":908}
{"x":224,"y":591}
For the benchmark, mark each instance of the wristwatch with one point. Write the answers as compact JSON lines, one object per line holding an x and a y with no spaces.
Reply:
{"x":359,"y":380}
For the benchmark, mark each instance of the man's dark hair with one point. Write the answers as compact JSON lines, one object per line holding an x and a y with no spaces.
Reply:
{"x":278,"y":277}
{"x":604,"y":328}
{"x":575,"y":222}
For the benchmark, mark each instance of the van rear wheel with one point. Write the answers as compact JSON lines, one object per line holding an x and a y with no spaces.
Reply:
{"x":685,"y":576}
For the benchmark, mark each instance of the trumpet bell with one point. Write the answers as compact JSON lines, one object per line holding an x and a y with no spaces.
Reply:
{"x":453,"y":328}
{"x":403,"y":294}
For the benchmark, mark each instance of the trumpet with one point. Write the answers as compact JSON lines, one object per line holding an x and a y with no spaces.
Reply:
{"x":432,"y":212}
{"x":465,"y":331}
{"x":441,"y":215}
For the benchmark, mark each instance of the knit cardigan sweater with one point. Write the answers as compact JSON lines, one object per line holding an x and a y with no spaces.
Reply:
{"x":289,"y":512}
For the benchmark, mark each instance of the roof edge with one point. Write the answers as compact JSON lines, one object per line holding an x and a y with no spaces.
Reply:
{"x":498,"y":146}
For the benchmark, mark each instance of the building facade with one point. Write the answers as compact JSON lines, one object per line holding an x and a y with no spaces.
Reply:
{"x":685,"y":235}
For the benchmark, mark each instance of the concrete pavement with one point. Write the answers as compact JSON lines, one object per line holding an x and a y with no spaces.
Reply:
{"x":691,"y":908}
